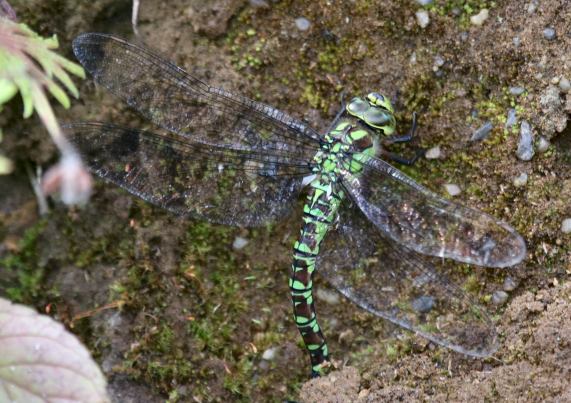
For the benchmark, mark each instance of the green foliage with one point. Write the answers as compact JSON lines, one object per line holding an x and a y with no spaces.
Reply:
{"x":28,"y":66}
{"x":20,"y":50}
{"x":23,"y":264}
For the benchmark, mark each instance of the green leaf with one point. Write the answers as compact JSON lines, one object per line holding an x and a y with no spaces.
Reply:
{"x":59,"y":94}
{"x":70,"y":66}
{"x":6,"y":165}
{"x":25,"y":89}
{"x":7,"y":90}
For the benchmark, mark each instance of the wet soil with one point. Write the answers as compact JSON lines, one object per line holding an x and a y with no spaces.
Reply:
{"x":172,"y":312}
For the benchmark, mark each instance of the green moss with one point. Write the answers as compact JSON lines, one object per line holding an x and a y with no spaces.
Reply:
{"x":24,"y":268}
{"x":462,"y":10}
{"x":472,"y":284}
{"x":164,"y":341}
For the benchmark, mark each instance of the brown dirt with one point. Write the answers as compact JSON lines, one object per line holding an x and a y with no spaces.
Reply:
{"x":167,"y":275}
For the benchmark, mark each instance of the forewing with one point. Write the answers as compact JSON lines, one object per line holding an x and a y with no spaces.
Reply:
{"x":414,"y":217}
{"x":219,"y":184}
{"x":399,"y":285}
{"x":182,"y":104}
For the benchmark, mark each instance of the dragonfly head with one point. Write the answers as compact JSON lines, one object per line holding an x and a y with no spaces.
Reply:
{"x":376,"y":111}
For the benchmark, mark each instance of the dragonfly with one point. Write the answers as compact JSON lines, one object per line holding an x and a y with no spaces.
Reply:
{"x":372,"y":232}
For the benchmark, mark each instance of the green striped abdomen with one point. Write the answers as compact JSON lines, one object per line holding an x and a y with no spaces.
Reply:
{"x":319,"y":213}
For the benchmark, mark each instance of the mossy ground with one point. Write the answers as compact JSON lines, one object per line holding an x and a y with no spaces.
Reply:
{"x":168,"y":304}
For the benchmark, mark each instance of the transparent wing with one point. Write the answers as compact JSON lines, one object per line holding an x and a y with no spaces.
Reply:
{"x":182,"y":104}
{"x":418,"y":219}
{"x":401,"y":286}
{"x":219,"y":184}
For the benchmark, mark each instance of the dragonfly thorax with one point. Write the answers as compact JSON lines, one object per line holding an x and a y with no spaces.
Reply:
{"x":375,"y":111}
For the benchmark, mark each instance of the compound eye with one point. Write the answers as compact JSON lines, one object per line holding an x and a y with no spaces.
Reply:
{"x":357,"y":106}
{"x":377,"y":117}
{"x":375,"y":98}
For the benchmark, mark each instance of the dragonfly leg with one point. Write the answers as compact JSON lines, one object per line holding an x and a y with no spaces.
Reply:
{"x":335,"y":121}
{"x":404,"y":138}
{"x":400,"y":159}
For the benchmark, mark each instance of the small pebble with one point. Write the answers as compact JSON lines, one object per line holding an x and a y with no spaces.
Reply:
{"x":555,"y":80}
{"x":479,"y":18}
{"x":531,"y":7}
{"x":549,"y":33}
{"x":516,"y":41}
{"x":564,"y":84}
{"x":270,"y":353}
{"x":566,"y":226}
{"x":239,"y":243}
{"x":422,"y":18}
{"x":331,"y":297}
{"x":499,"y":298}
{"x":439,"y":61}
{"x":509,"y":284}
{"x":542,"y":144}
{"x":511,"y":119}
{"x":516,"y":90}
{"x":413,"y":58}
{"x":452,"y":189}
{"x":424,"y":2}
{"x":433,"y":153}
{"x":259,"y":3}
{"x":520,"y":180}
{"x":482,"y":132}
{"x":525,"y":150}
{"x":423,"y":304}
{"x":302,"y":23}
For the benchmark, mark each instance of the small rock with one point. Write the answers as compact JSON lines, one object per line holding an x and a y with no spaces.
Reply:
{"x":239,"y":243}
{"x":564,"y":84}
{"x":531,"y":7}
{"x":525,"y":150}
{"x":422,"y":18}
{"x":516,"y":41}
{"x":452,"y":189}
{"x":270,"y":354}
{"x":516,"y":90}
{"x":549,"y":33}
{"x":433,"y":153}
{"x":511,"y":119}
{"x":259,"y":3}
{"x":542,"y":144}
{"x":438,"y":61}
{"x":424,"y":2}
{"x":509,"y":284}
{"x":479,"y":18}
{"x":482,"y":132}
{"x":331,"y":297}
{"x":302,"y":23}
{"x":499,"y":298}
{"x":412,"y":58}
{"x":521,"y":180}
{"x":423,"y":304}
{"x":555,"y":80}
{"x":566,"y":226}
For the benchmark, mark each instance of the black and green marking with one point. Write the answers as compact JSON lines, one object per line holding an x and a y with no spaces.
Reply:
{"x":230,"y":160}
